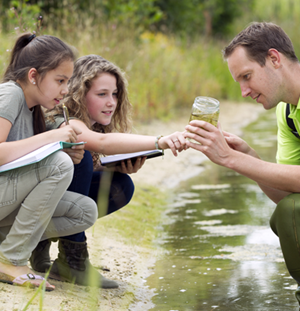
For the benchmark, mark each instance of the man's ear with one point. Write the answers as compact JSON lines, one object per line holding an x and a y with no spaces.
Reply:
{"x":274,"y":57}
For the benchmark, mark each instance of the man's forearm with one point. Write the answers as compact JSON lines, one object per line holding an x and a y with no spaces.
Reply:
{"x":274,"y":194}
{"x":271,"y":177}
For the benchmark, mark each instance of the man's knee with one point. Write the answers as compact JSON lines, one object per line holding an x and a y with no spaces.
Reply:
{"x":285,"y":212}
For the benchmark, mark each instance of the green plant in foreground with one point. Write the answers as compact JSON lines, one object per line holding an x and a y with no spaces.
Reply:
{"x":41,"y":290}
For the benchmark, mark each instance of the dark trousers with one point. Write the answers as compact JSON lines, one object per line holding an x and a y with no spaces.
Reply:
{"x":111,"y":190}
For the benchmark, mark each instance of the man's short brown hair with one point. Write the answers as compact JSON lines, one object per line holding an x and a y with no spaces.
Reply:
{"x":258,"y":38}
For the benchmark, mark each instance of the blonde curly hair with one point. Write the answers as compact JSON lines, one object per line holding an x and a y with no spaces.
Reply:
{"x":86,"y":69}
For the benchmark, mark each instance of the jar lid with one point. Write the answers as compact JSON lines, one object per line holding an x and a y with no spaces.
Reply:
{"x":207,"y":103}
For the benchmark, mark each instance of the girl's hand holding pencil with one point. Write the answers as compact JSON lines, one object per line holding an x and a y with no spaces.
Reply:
{"x":66,"y":114}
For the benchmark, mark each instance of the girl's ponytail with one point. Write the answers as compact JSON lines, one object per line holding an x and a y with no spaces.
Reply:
{"x":21,"y":42}
{"x":44,"y":53}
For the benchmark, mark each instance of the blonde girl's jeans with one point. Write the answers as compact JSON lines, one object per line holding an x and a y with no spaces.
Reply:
{"x":34,"y":206}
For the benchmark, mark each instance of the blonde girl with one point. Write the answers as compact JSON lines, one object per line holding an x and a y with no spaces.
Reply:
{"x":98,"y":105}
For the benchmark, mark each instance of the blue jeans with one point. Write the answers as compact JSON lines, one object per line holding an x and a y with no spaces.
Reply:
{"x":112,"y":190}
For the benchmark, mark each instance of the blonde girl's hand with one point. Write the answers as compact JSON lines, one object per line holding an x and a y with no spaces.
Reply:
{"x":128,"y":168}
{"x":76,"y":153}
{"x":176,"y":142}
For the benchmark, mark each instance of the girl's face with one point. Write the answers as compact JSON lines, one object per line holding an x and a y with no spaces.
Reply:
{"x":101,"y":99}
{"x":53,"y":87}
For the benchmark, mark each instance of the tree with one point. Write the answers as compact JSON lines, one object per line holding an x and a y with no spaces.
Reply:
{"x":138,"y":13}
{"x":194,"y":17}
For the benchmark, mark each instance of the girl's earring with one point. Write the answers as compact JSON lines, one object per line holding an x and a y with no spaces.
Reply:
{"x":33,"y":82}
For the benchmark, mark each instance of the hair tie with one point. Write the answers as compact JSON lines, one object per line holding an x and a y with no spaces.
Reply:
{"x":31,"y":38}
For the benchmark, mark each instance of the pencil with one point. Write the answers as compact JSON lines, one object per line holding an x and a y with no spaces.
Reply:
{"x":66,"y":114}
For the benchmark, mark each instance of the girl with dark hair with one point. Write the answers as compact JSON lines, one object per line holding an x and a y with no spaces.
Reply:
{"x":34,"y":202}
{"x":98,"y":104}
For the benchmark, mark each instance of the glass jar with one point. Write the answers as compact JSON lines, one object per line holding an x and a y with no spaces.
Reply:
{"x":205,"y":109}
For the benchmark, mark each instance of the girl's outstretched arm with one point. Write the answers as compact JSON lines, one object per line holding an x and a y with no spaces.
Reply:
{"x":114,"y":143}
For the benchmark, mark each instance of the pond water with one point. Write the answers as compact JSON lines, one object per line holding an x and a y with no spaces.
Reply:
{"x":220,"y":253}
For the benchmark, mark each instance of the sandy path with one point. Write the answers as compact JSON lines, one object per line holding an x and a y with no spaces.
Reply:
{"x":129,"y":265}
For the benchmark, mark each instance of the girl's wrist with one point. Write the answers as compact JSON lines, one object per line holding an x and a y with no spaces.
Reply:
{"x":157,"y":141}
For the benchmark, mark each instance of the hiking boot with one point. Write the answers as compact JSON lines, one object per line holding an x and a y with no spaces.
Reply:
{"x":40,"y":258}
{"x":73,"y":265}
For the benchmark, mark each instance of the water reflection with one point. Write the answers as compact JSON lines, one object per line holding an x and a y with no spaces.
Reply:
{"x":220,"y":251}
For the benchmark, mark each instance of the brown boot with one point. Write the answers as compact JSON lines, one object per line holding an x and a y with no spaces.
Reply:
{"x":73,"y":265}
{"x":40,"y":258}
